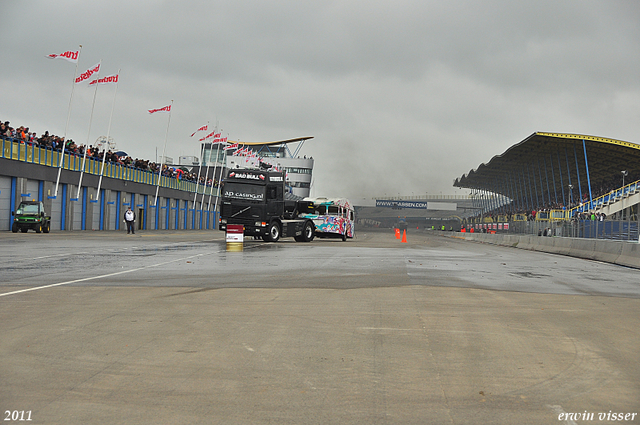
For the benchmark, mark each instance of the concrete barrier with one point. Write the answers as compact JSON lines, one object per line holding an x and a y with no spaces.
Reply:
{"x":617,"y":252}
{"x":630,"y":255}
{"x":526,"y":242}
{"x":561,"y":246}
{"x":607,"y":251}
{"x":583,"y":248}
{"x":542,"y":243}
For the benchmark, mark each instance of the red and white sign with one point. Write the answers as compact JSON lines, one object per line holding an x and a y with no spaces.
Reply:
{"x":235,"y":233}
{"x":164,"y":109}
{"x":70,"y":56}
{"x":109,"y":79}
{"x":88,"y":73}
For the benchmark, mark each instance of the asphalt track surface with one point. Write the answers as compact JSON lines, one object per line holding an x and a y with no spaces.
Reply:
{"x":169,"y":328}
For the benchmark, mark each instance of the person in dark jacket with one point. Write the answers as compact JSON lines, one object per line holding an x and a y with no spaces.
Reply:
{"x":130,"y":219}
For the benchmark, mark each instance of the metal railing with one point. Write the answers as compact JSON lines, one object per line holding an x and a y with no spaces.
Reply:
{"x":422,"y":197}
{"x":608,"y":198}
{"x":33,"y":154}
{"x":626,"y":229}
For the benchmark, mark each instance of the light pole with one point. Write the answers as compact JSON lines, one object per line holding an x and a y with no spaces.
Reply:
{"x":571,"y":194}
{"x":624,"y":174}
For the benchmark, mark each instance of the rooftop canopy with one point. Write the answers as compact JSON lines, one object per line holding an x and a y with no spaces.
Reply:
{"x":276,"y":142}
{"x":551,"y":170}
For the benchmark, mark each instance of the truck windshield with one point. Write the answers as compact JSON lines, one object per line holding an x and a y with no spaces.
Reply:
{"x":243,"y":191}
{"x":27,"y":209}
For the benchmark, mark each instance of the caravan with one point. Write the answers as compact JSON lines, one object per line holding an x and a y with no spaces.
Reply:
{"x":332,"y":217}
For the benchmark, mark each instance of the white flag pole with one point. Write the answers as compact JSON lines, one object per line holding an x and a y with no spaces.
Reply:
{"x":104,"y":156}
{"x":84,"y":157}
{"x":199,"y":169}
{"x":206,"y":174}
{"x":64,"y":138}
{"x":164,"y":149}
{"x":224,"y":164}
{"x":213,"y":180}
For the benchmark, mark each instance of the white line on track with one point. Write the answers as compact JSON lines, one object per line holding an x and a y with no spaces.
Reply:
{"x":86,"y":279}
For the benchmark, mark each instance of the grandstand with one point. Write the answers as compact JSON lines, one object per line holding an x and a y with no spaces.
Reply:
{"x":558,"y":177}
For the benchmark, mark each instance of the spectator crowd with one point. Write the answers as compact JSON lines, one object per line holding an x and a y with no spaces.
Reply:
{"x":24,"y":136}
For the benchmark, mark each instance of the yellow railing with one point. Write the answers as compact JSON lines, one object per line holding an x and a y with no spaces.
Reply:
{"x":608,"y":198}
{"x":42,"y":156}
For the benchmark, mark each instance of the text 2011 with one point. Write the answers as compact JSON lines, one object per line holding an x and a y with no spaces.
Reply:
{"x":17,"y":415}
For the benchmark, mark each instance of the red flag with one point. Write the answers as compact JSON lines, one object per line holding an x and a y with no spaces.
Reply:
{"x":203,"y":128}
{"x":231,"y":146}
{"x":109,"y":79}
{"x":70,"y":56}
{"x":88,"y":73}
{"x":163,"y":109}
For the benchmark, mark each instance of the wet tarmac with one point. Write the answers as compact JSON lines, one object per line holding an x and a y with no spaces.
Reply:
{"x":168,"y":327}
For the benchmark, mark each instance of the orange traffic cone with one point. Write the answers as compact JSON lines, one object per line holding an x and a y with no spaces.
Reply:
{"x":404,"y":236}
{"x":397,"y":233}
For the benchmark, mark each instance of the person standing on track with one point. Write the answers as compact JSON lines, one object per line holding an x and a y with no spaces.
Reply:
{"x":130,"y":219}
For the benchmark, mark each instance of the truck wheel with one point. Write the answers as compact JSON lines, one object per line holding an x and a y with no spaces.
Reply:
{"x":308,"y":232}
{"x":14,"y":228}
{"x":273,"y":233}
{"x":38,"y":228}
{"x":47,"y":228}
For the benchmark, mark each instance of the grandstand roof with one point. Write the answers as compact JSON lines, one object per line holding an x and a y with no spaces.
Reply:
{"x":276,"y":142}
{"x":548,"y":160}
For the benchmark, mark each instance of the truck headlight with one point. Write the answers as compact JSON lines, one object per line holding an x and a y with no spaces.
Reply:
{"x":223,"y":221}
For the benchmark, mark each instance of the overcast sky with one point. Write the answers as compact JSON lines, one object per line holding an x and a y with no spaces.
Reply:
{"x":401,"y":97}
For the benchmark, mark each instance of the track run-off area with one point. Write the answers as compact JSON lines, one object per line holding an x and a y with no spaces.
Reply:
{"x":168,"y":327}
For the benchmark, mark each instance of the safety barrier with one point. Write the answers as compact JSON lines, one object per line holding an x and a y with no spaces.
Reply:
{"x":624,"y":253}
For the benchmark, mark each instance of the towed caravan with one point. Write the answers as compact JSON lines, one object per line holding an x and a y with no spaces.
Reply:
{"x":332,"y":217}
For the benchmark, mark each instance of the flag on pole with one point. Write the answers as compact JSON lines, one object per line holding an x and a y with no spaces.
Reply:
{"x":231,"y":146}
{"x":163,"y":109}
{"x":69,"y":55}
{"x":88,"y":73}
{"x":203,"y":128}
{"x":207,"y":136}
{"x":109,"y":79}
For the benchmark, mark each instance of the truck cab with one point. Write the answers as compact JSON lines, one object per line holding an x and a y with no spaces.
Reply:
{"x":30,"y":215}
{"x":256,"y":200}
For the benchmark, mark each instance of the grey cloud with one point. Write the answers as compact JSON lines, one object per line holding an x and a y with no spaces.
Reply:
{"x":400,"y":96}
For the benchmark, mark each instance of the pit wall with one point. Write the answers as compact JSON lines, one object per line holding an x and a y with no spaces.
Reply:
{"x":623,"y":253}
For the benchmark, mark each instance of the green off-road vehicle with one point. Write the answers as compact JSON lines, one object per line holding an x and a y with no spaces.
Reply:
{"x":30,"y":215}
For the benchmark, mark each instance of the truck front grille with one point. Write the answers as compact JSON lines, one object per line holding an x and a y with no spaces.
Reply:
{"x":233,"y":212}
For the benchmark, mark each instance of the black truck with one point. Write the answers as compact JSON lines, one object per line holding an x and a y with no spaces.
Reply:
{"x":256,"y":200}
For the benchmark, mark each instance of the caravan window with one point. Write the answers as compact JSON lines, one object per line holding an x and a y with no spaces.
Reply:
{"x":333,"y":210}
